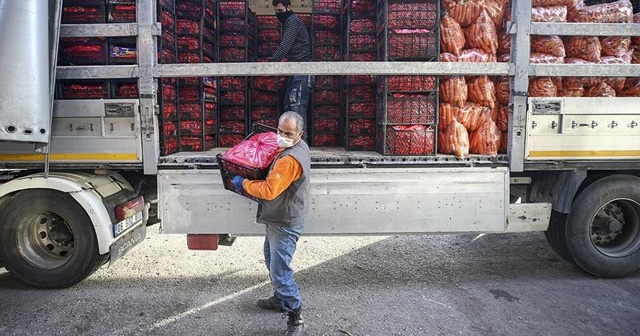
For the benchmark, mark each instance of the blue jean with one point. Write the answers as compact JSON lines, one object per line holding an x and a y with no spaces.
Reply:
{"x":279,"y":247}
{"x":297,"y":96}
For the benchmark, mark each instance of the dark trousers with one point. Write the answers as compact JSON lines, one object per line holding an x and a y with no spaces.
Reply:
{"x":296,"y":97}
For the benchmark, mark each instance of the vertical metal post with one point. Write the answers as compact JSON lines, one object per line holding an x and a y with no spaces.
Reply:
{"x":147,"y":60}
{"x":520,"y":54}
{"x":55,"y":14}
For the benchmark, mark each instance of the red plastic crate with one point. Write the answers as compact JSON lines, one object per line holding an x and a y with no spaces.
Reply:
{"x":267,"y":49}
{"x":263,"y":112}
{"x":411,"y":83}
{"x":84,"y":90}
{"x":412,"y":15}
{"x":268,"y":22}
{"x":326,"y":140}
{"x":362,"y":126}
{"x":233,"y":8}
{"x":268,"y":83}
{"x":122,"y":13}
{"x":169,"y":111}
{"x":126,"y":90}
{"x":326,"y":111}
{"x":83,"y":14}
{"x":233,"y":126}
{"x":412,"y":44}
{"x":234,"y":97}
{"x":407,"y":140}
{"x":361,"y":110}
{"x":361,"y":79}
{"x":196,"y":94}
{"x":233,"y":83}
{"x":234,"y":54}
{"x":362,"y":93}
{"x":230,"y":140}
{"x":234,"y":40}
{"x":326,"y":126}
{"x":410,"y":108}
{"x":361,"y":56}
{"x":327,"y":6}
{"x":326,"y":83}
{"x":362,"y":143}
{"x":169,"y":146}
{"x":362,"y":42}
{"x":269,"y":35}
{"x":273,"y":122}
{"x":232,"y":113}
{"x":363,"y":26}
{"x":324,"y":22}
{"x":363,"y":8}
{"x":264,"y":97}
{"x":326,"y":53}
{"x":195,"y":144}
{"x":326,"y":97}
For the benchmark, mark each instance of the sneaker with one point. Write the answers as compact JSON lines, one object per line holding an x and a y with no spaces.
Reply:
{"x":271,"y":303}
{"x":295,"y":325}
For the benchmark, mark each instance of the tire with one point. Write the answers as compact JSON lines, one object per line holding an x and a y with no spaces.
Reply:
{"x":556,"y":236}
{"x":47,"y":240}
{"x":603,"y":228}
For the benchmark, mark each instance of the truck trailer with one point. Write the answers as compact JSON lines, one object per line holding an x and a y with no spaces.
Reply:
{"x":82,"y":179}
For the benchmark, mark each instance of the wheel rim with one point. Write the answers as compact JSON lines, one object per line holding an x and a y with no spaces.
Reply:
{"x":45,"y":240}
{"x":615,"y":228}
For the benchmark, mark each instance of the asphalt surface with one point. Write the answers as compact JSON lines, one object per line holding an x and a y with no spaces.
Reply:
{"x":510,"y":284}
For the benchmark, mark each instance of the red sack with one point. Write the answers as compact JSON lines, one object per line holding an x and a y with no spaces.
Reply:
{"x":259,"y":151}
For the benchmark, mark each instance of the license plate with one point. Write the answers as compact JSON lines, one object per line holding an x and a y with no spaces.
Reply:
{"x":127,"y":242}
{"x":126,"y":223}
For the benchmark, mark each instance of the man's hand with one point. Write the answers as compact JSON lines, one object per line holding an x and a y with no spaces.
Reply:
{"x":237,"y":182}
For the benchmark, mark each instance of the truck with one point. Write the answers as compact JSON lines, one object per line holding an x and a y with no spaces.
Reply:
{"x":82,"y":179}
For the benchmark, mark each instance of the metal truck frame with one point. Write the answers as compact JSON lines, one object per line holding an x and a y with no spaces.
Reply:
{"x":70,"y":203}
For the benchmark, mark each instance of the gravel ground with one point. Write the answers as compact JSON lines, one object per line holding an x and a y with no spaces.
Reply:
{"x":511,"y":284}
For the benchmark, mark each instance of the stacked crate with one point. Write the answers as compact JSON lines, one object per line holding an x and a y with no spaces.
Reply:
{"x":121,"y":11}
{"x":83,"y":11}
{"x":265,"y":98}
{"x":237,"y":41}
{"x":167,"y":87}
{"x":360,"y":91}
{"x":326,"y":99}
{"x":197,"y":97}
{"x":407,"y":105}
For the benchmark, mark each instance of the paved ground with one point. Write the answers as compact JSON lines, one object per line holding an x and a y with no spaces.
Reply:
{"x":397,"y":285}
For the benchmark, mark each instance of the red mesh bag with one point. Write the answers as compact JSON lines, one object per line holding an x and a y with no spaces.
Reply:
{"x":232,"y":83}
{"x":235,"y":8}
{"x":234,"y":97}
{"x":268,"y":22}
{"x":326,"y":37}
{"x":572,"y":91}
{"x":170,"y":129}
{"x":504,"y":43}
{"x":361,"y":8}
{"x":267,"y":49}
{"x":264,"y":97}
{"x":327,"y":6}
{"x":233,"y":55}
{"x":360,"y":79}
{"x":362,"y":57}
{"x":233,"y":126}
{"x":362,"y":42}
{"x":268,"y":83}
{"x":631,"y":88}
{"x":129,"y":90}
{"x":269,"y":35}
{"x":636,"y":39}
{"x":84,"y":91}
{"x":451,"y":36}
{"x":324,"y":22}
{"x":234,"y":40}
{"x":228,"y":140}
{"x":233,"y":24}
{"x":411,"y":43}
{"x":327,"y":82}
{"x":82,"y":14}
{"x":326,"y":53}
{"x":169,"y":110}
{"x":196,"y":94}
{"x":486,"y":140}
{"x":362,"y":93}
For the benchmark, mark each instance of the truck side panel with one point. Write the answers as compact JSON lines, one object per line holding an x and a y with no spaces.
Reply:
{"x":348,"y":201}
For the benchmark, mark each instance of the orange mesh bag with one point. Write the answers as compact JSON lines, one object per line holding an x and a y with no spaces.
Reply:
{"x":448,"y":57}
{"x":464,"y":11}
{"x":635,"y":54}
{"x":551,"y":3}
{"x":503,"y":90}
{"x":587,"y":48}
{"x":453,"y":90}
{"x":572,"y":91}
{"x":550,"y":45}
{"x":613,"y":12}
{"x":600,"y":90}
{"x":482,"y":91}
{"x":468,"y":55}
{"x":636,"y":19}
{"x":616,"y":46}
{"x":504,"y":42}
{"x":579,"y":81}
{"x":454,"y":139}
{"x":504,"y":142}
{"x":617,"y":83}
{"x":502,"y":121}
{"x":481,"y":34}
{"x":542,"y":87}
{"x":472,"y":115}
{"x":495,"y":10}
{"x":485,"y":140}
{"x":545,"y":59}
{"x":549,"y":14}
{"x":446,"y":114}
{"x":631,"y":88}
{"x":451,"y":36}
{"x":625,"y":59}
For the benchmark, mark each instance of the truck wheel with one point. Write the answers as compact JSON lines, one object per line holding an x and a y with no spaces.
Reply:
{"x":603,"y":228}
{"x":47,"y":240}
{"x":556,"y":235}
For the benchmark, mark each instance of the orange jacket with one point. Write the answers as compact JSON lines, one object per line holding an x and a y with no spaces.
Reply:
{"x":284,"y":172}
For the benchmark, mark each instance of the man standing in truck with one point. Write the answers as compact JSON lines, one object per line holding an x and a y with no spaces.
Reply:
{"x":295,"y":47}
{"x":283,"y":206}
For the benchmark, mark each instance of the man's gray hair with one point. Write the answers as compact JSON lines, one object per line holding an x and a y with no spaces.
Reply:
{"x":296,"y":116}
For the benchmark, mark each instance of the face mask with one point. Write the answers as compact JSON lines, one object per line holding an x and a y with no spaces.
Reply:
{"x":282,"y":17}
{"x":284,"y":142}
